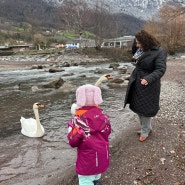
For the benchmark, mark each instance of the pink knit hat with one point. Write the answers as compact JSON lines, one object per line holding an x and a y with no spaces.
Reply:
{"x":88,"y":95}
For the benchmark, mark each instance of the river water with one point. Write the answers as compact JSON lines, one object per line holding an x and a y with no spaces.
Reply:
{"x":25,"y":160}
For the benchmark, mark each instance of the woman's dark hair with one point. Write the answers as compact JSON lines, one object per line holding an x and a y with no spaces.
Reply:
{"x":147,"y":41}
{"x":134,"y":47}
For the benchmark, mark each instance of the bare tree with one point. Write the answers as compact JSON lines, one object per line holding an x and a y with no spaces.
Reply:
{"x":152,"y":26}
{"x":73,"y":13}
{"x":169,"y":27}
{"x":38,"y":40}
{"x":78,"y":16}
{"x":102,"y":20}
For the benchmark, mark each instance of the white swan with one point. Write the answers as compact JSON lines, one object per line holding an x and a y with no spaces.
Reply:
{"x":102,"y":79}
{"x":98,"y":82}
{"x":32,"y":127}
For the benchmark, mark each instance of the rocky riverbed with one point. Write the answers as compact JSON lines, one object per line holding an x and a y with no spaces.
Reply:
{"x":48,"y":60}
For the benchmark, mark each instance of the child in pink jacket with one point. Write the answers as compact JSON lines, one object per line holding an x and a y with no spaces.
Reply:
{"x":89,"y":130}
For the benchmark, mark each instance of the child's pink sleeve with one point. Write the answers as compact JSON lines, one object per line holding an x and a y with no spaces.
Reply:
{"x":75,"y":135}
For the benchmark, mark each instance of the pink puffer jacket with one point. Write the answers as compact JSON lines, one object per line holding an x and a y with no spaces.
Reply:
{"x":93,"y":149}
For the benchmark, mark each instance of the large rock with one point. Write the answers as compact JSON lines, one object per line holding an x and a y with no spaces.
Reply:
{"x":67,"y":87}
{"x":122,"y":70}
{"x":37,"y":67}
{"x":119,"y":82}
{"x":54,"y":84}
{"x":54,"y":70}
{"x":114,"y":66}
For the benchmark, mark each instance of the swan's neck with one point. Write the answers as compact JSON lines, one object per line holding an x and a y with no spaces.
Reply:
{"x":98,"y":82}
{"x":39,"y":130}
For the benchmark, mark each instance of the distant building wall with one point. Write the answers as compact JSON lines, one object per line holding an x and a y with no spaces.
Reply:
{"x":119,"y":42}
{"x":85,"y":42}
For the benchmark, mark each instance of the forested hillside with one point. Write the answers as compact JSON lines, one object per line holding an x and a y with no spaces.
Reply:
{"x":35,"y":12}
{"x":39,"y":14}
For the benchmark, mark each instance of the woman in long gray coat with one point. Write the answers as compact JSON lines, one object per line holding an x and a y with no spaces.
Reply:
{"x":143,"y":90}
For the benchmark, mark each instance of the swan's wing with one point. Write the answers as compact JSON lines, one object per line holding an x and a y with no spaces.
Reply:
{"x":28,"y":125}
{"x":29,"y":128}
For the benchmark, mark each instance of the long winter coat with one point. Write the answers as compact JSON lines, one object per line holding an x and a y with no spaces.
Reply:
{"x":144,"y":99}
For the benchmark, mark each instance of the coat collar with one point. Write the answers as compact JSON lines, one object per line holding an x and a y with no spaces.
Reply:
{"x":148,"y":53}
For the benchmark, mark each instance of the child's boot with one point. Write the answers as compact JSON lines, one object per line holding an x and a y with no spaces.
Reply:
{"x":96,"y":182}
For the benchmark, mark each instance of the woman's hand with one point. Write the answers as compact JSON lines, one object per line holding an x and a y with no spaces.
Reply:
{"x":144,"y":82}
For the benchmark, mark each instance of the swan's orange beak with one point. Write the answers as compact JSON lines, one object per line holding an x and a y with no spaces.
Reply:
{"x":109,"y":77}
{"x":40,"y":105}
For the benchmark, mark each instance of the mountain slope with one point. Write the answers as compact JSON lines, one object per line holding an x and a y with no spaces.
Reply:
{"x":47,"y":14}
{"x":32,"y":11}
{"x":142,"y":9}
